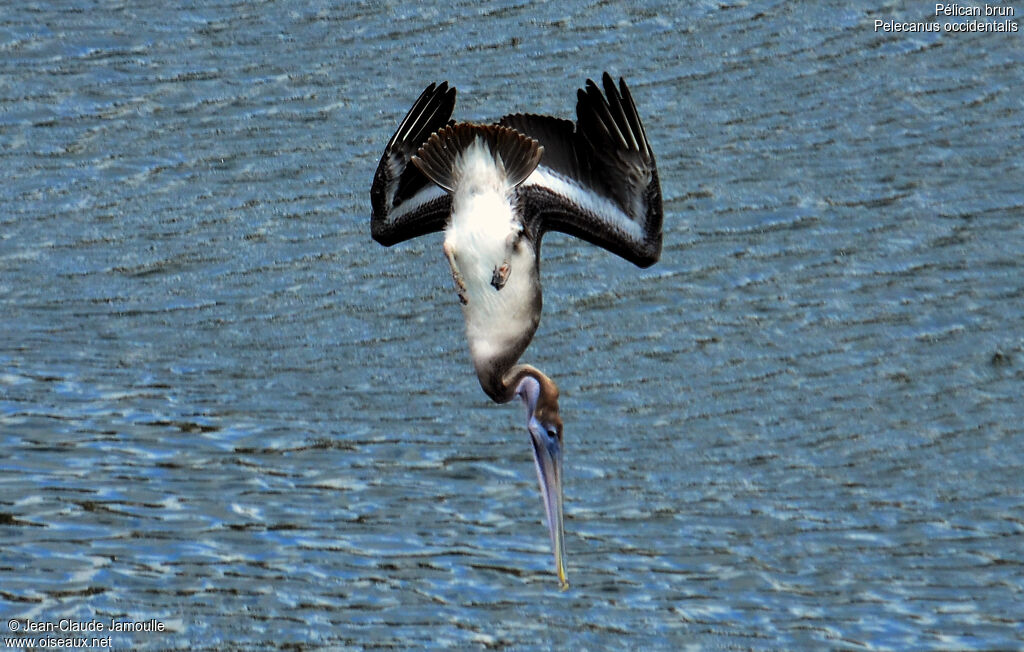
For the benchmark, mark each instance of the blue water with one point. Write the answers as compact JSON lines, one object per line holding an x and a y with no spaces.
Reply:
{"x":223,"y":407}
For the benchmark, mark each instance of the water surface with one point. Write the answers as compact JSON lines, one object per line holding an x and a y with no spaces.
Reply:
{"x":224,"y":407}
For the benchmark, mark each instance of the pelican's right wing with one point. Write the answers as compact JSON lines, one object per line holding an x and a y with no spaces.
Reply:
{"x":597,"y":179}
{"x":405,"y":203}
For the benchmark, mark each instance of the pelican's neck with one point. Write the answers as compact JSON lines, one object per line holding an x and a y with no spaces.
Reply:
{"x":522,"y":381}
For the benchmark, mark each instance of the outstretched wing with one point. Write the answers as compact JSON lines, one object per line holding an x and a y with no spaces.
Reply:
{"x":405,"y":203}
{"x":598,"y":180}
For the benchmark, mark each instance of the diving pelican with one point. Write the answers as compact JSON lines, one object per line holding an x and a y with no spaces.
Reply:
{"x":495,"y":190}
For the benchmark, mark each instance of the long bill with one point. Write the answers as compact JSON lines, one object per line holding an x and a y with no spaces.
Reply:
{"x":547,"y":457}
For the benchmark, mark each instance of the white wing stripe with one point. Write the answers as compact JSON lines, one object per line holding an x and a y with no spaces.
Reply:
{"x":424,"y":196}
{"x":587,"y":200}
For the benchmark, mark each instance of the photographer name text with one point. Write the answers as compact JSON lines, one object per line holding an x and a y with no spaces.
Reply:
{"x":67,"y":625}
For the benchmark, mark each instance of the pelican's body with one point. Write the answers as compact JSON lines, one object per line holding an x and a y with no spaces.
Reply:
{"x":483,"y":221}
{"x":495,"y":190}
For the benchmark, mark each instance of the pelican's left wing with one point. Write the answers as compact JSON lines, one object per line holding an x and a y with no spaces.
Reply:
{"x":405,"y":203}
{"x":597,"y":179}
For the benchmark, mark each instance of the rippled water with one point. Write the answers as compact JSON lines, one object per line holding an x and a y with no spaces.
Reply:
{"x":223,"y":407}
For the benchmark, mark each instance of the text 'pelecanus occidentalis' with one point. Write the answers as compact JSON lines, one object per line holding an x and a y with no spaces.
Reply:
{"x":495,"y":189}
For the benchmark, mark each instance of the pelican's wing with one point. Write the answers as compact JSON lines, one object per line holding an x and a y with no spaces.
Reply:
{"x":405,"y":203}
{"x":598,"y":180}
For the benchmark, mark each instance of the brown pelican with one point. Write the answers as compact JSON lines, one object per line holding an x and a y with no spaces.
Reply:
{"x":495,"y":190}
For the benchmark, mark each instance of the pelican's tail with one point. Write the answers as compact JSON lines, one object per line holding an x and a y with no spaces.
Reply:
{"x":441,"y":157}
